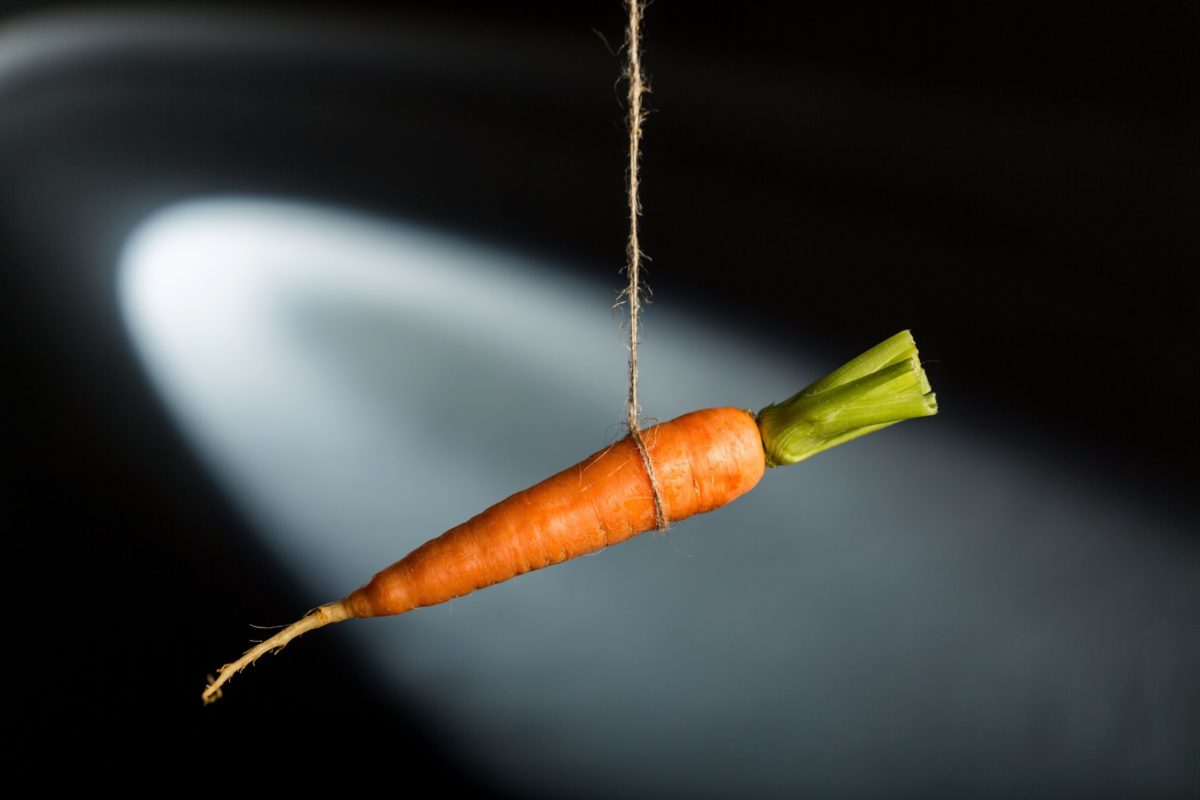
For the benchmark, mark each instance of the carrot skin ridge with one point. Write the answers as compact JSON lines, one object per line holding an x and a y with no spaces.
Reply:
{"x":703,"y":460}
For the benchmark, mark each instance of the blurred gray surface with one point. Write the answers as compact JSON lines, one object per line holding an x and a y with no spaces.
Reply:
{"x":937,"y":606}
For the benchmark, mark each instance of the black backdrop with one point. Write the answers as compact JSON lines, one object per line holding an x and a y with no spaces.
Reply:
{"x":1019,"y":185}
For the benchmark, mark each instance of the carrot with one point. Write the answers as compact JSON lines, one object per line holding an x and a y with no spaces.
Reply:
{"x":701,"y":461}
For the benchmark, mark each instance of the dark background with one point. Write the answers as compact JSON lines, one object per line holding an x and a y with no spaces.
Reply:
{"x":1019,"y":185}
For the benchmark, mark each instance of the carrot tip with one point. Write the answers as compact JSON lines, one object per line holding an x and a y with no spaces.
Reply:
{"x":215,"y":694}
{"x":881,"y":387}
{"x":317,"y":618}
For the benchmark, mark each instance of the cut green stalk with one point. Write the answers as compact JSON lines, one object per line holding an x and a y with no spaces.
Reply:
{"x":881,"y":387}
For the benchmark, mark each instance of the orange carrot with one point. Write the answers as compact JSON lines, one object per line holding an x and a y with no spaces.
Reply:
{"x":702,"y":461}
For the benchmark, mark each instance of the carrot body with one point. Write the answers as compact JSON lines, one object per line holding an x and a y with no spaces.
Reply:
{"x":702,"y":461}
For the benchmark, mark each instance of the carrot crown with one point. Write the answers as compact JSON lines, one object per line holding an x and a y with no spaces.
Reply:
{"x":883,"y":386}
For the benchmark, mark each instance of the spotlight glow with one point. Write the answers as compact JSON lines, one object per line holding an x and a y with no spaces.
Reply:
{"x":359,"y":386}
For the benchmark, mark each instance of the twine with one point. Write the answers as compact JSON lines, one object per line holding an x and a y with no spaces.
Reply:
{"x":633,"y":252}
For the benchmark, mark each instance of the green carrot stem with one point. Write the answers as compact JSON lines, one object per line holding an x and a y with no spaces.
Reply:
{"x":881,"y":387}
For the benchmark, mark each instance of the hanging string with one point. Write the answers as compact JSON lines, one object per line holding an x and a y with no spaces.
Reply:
{"x":633,"y":252}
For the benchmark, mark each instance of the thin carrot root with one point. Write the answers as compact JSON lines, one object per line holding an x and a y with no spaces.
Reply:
{"x":317,"y":618}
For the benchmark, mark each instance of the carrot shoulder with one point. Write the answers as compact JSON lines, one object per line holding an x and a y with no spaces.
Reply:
{"x":702,"y":461}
